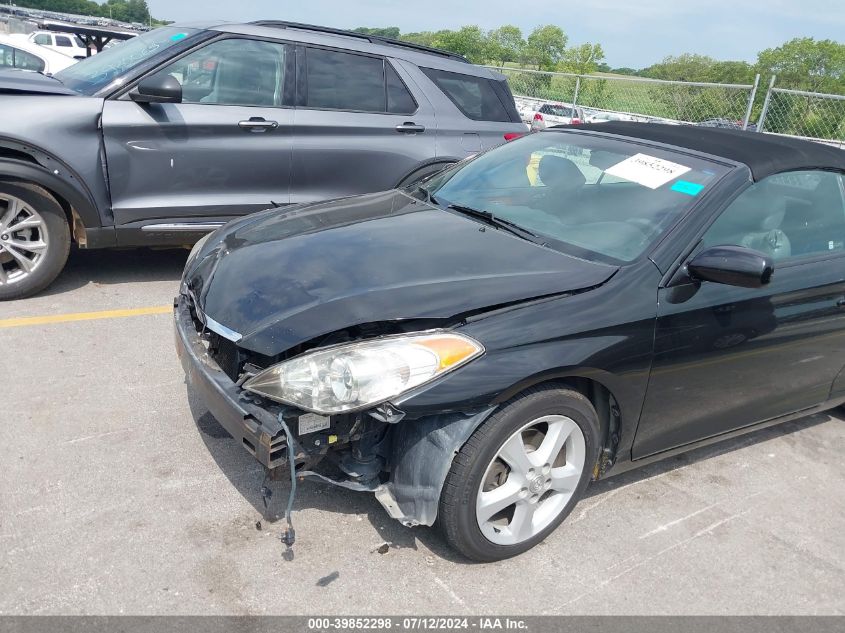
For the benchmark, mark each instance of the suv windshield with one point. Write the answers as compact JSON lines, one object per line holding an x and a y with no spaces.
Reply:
{"x":594,"y":197}
{"x":95,"y":73}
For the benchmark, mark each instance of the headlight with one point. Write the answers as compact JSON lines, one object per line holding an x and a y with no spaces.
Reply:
{"x":358,"y":375}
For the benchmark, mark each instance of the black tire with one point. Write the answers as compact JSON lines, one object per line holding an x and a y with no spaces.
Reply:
{"x":58,"y":241}
{"x":457,"y":515}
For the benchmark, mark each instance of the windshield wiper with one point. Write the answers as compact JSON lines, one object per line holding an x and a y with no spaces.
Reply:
{"x":498,"y":222}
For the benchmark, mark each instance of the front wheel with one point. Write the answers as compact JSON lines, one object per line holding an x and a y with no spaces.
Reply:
{"x":520,"y":474}
{"x":34,"y":240}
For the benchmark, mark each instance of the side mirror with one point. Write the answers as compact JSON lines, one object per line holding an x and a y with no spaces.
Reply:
{"x":158,"y":88}
{"x":733,"y":266}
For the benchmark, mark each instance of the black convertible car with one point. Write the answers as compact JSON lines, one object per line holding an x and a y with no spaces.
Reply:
{"x":474,"y":350}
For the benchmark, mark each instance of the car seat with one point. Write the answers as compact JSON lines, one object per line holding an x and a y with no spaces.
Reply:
{"x":245,"y":77}
{"x":753,"y":220}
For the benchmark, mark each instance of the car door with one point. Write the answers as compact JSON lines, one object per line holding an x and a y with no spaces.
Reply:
{"x":358,"y":126}
{"x":727,"y":357}
{"x":223,"y":151}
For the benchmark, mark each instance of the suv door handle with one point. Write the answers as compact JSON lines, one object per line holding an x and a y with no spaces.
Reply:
{"x":258,"y":124}
{"x":409,"y":127}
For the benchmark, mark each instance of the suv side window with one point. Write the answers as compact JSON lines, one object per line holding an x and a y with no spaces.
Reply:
{"x":474,"y":96}
{"x":232,"y":72}
{"x":43,"y":39}
{"x":790,"y":216}
{"x":344,"y":81}
{"x":399,"y":100}
{"x":63,"y":41}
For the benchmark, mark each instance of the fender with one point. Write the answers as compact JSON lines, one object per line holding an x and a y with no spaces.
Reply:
{"x":67,"y":186}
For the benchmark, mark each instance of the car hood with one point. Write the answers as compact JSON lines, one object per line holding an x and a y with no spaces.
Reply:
{"x":286,"y":276}
{"x":27,"y":82}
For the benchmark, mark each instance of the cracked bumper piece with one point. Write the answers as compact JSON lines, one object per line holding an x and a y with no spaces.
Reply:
{"x":256,"y":429}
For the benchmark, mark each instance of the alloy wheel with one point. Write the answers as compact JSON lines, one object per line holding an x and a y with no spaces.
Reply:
{"x":530,"y":480}
{"x":23,"y":239}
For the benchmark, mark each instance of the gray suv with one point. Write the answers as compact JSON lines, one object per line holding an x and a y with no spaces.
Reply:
{"x":169,"y":135}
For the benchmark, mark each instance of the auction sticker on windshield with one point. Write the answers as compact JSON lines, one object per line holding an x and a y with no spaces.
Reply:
{"x":648,"y":171}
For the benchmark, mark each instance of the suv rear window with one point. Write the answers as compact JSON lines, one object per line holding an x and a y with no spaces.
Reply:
{"x":476,"y":97}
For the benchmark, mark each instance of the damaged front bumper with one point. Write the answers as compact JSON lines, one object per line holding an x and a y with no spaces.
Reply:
{"x":421,"y":449}
{"x":255,"y":428}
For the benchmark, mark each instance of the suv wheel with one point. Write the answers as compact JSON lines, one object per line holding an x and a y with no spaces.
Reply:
{"x":34,"y":240}
{"x":520,"y":474}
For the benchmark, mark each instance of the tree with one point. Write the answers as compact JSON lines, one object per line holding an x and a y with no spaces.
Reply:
{"x":505,"y":44}
{"x":123,"y":10}
{"x":390,"y":31}
{"x":469,"y":41}
{"x":686,"y":67}
{"x":625,"y":70}
{"x":423,"y":38}
{"x":583,"y":59}
{"x":806,"y":64}
{"x":545,"y":47}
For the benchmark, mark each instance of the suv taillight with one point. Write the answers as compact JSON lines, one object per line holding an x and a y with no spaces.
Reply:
{"x":538,"y":117}
{"x":513,"y":135}
{"x":575,"y":121}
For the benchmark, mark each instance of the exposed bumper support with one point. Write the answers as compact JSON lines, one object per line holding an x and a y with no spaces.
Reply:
{"x":256,"y":429}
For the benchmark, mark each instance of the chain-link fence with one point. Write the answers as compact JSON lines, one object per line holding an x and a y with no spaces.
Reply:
{"x":638,"y":98}
{"x":819,"y":117}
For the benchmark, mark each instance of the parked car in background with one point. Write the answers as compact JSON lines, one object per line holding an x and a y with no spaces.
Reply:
{"x":604,"y":117}
{"x":169,"y":135}
{"x":65,"y":43}
{"x":728,"y":124}
{"x":22,"y":54}
{"x":476,"y":349}
{"x":551,"y":114}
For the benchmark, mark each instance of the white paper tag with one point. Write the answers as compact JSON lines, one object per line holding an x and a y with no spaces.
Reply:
{"x":648,"y":171}
{"x":311,"y":423}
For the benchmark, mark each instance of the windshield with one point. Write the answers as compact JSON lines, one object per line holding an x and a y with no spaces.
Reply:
{"x":95,"y":73}
{"x":593,"y":197}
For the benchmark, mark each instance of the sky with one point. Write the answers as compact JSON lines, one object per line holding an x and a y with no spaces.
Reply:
{"x":633,"y":33}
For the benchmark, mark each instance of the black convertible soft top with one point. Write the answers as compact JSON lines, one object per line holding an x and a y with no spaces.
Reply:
{"x":765,"y":154}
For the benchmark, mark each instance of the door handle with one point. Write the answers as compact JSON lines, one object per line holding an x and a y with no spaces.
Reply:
{"x":257,"y":124}
{"x":409,"y":127}
{"x":841,"y":302}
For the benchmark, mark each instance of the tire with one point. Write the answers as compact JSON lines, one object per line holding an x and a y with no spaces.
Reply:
{"x":479,"y":462}
{"x":41,"y":246}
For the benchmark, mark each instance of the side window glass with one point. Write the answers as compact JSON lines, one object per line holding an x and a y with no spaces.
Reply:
{"x":399,"y":100}
{"x":473,"y":96}
{"x":27,"y":61}
{"x":789,"y":216}
{"x":7,"y":59}
{"x":43,"y":40}
{"x":232,"y":72}
{"x":63,"y":41}
{"x":342,"y":81}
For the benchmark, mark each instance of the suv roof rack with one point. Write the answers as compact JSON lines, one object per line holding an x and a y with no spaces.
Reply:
{"x":373,"y":39}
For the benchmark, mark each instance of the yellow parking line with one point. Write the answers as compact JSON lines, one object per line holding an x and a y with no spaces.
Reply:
{"x":84,"y":316}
